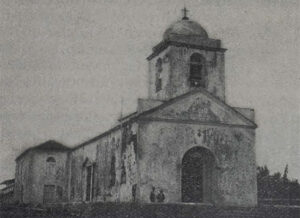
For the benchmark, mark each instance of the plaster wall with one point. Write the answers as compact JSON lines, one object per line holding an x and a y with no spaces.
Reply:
{"x":23,"y":179}
{"x":180,"y":71}
{"x":76,"y":160}
{"x":163,"y":144}
{"x":175,"y":74}
{"x":43,"y":174}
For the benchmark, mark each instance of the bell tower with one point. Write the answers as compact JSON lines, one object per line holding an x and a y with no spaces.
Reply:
{"x":184,"y":60}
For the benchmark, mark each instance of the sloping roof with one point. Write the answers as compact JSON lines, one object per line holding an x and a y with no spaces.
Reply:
{"x":116,"y":127}
{"x":50,"y":145}
{"x":128,"y":116}
{"x":7,"y":182}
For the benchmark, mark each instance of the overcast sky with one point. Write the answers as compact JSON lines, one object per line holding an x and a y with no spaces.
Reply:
{"x":65,"y":65}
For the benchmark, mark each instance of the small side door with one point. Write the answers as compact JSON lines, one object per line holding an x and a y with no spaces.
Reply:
{"x":49,"y":194}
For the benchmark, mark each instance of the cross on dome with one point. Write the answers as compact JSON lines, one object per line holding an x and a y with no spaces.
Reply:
{"x":184,"y":12}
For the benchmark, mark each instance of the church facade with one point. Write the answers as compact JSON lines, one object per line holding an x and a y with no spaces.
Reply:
{"x":183,"y":144}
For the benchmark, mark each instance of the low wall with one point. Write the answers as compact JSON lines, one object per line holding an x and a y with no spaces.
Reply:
{"x":279,"y":202}
{"x":149,"y":210}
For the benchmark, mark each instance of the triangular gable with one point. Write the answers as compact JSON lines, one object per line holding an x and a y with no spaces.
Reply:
{"x":198,"y":105}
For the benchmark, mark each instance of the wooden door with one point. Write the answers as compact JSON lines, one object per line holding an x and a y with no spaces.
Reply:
{"x":49,"y":194}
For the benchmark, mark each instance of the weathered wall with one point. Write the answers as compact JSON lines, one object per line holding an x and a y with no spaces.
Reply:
{"x":162,"y":146}
{"x":23,"y":179}
{"x":76,"y":160}
{"x":114,"y":159}
{"x":43,"y":174}
{"x":176,"y":69}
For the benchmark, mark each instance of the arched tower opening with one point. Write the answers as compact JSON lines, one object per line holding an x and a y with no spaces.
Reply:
{"x":197,"y":70}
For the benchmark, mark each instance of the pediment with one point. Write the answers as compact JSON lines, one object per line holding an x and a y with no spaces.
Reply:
{"x":199,"y":106}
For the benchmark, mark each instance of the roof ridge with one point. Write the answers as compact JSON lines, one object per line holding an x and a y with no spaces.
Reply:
{"x":43,"y":146}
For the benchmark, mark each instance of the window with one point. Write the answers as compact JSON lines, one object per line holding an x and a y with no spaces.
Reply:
{"x":90,"y":172}
{"x":113,"y":171}
{"x":51,"y":159}
{"x":88,"y":183}
{"x":93,"y":180}
{"x":21,"y":194}
{"x":50,"y":168}
{"x":158,"y":79}
{"x":123,"y":173}
{"x":133,"y":191}
{"x":197,"y":70}
{"x":72,"y":192}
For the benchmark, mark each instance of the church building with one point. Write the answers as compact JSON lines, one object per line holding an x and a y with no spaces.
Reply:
{"x":183,"y":143}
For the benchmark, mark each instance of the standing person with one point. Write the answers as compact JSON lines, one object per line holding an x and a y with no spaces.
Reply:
{"x":161,"y":196}
{"x":152,"y":195}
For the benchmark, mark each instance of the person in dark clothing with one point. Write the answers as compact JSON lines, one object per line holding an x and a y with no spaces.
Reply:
{"x":161,"y":196}
{"x":152,"y":195}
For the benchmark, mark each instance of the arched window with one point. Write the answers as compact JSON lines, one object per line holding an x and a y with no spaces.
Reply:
{"x":197,"y":70}
{"x":50,"y":168}
{"x":51,"y":160}
{"x":159,"y":69}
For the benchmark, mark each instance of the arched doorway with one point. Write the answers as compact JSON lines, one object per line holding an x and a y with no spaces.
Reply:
{"x":197,"y":175}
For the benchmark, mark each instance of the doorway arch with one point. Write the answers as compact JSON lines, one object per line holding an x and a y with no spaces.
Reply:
{"x":197,"y":175}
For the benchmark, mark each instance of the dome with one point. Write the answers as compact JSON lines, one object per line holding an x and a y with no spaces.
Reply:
{"x":185,"y":27}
